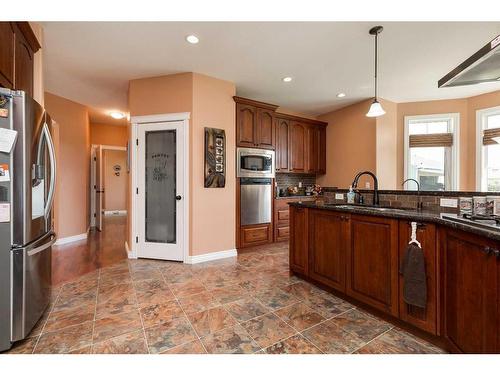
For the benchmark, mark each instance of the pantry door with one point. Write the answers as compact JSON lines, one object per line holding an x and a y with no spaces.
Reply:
{"x":160,"y":186}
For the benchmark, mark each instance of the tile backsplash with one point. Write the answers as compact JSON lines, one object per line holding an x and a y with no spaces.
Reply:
{"x":285,"y":180}
{"x":406,"y":199}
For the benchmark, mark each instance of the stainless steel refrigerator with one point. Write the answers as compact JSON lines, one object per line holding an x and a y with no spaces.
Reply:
{"x":27,"y":185}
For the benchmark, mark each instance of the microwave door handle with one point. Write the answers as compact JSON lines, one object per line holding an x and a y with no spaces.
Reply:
{"x":53,"y":165}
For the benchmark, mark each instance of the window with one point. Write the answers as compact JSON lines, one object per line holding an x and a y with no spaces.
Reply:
{"x":488,"y":149}
{"x":431,"y":144}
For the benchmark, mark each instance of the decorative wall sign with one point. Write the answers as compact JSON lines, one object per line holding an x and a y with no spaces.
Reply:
{"x":215,"y":158}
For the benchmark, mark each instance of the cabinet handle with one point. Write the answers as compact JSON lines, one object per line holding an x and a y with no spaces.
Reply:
{"x":487,"y":250}
{"x":496,"y":252}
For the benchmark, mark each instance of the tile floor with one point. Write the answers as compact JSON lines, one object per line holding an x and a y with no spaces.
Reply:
{"x":247,"y":304}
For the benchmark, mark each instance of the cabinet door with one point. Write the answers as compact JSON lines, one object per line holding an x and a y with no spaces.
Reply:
{"x":470,"y":290}
{"x":297,"y":147}
{"x":282,"y":128}
{"x":298,"y":240}
{"x":425,"y":319}
{"x":24,"y":64}
{"x":265,"y":128}
{"x":313,"y":149}
{"x":327,"y":248}
{"x":246,"y":120}
{"x":372,"y":272}
{"x":322,"y":151}
{"x":6,"y":55}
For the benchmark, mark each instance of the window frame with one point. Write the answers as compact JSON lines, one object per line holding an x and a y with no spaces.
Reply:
{"x":454,"y":121}
{"x":481,"y":115}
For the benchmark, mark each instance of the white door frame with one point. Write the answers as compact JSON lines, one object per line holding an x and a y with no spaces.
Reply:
{"x":137,"y":121}
{"x":93,"y":148}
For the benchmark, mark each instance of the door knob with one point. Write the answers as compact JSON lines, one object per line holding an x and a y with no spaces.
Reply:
{"x":178,"y":197}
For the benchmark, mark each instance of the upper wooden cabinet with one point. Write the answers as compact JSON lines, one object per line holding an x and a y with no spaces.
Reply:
{"x":297,"y":147}
{"x":254,"y":124}
{"x":471,"y":292}
{"x":18,"y":45}
{"x":7,"y":40}
{"x":282,"y":132}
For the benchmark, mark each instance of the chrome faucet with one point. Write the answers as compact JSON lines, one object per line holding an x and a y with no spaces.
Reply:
{"x":419,"y":203}
{"x":376,"y":200}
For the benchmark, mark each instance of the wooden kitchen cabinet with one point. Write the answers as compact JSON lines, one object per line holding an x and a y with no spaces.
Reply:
{"x":328,"y":247}
{"x":282,"y":130}
{"x":471,"y":287}
{"x":258,"y":234}
{"x":18,"y":45}
{"x":254,"y":124}
{"x":297,"y":147}
{"x":282,"y":216}
{"x":298,"y":249}
{"x":425,"y":319}
{"x":316,"y":149}
{"x":7,"y":41}
{"x":372,"y":262}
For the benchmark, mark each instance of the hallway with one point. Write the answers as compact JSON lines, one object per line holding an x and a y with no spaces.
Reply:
{"x":99,"y":250}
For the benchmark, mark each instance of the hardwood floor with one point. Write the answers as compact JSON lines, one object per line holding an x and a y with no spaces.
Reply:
{"x":99,"y":250}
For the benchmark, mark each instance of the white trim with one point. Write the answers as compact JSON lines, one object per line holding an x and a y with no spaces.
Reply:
{"x":480,"y":114}
{"x":135,"y":122}
{"x":66,"y":240}
{"x":115,"y":212}
{"x":130,"y":253}
{"x":149,"y":119}
{"x":455,"y":154}
{"x":211,"y":256}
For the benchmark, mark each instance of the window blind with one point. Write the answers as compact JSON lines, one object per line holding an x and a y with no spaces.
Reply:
{"x":488,"y":136}
{"x":431,"y":140}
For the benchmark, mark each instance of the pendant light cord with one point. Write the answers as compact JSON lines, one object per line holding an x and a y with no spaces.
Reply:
{"x":376,"y":49}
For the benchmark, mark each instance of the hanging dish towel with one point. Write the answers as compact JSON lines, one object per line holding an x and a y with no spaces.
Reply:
{"x":414,"y":275}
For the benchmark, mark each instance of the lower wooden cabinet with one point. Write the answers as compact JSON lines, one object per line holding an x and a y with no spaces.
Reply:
{"x":372,"y":262}
{"x":328,"y":247}
{"x":252,"y":235}
{"x":282,"y":216}
{"x":298,"y":240}
{"x":423,"y":318}
{"x":471,"y":287}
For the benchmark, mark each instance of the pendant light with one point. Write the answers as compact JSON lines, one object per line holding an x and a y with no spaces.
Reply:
{"x":375,"y":109}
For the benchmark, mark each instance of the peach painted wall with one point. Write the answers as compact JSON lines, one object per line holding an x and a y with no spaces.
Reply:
{"x":73,"y":165}
{"x":115,"y":187}
{"x":209,"y":100}
{"x":213,"y":216}
{"x":110,"y":135}
{"x":387,"y":146}
{"x":350,"y":145}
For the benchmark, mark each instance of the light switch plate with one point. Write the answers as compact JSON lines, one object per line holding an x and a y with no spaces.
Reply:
{"x":339,"y":196}
{"x":448,"y":202}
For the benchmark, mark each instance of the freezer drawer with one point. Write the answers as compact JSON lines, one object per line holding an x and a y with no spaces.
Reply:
{"x":31,"y":284}
{"x":256,"y":200}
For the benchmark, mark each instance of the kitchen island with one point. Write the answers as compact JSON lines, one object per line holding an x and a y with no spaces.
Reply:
{"x":355,"y":252}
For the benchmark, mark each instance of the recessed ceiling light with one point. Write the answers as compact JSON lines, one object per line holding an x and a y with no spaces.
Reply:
{"x":193,"y":39}
{"x":340,"y":95}
{"x":117,"y":115}
{"x":287,"y":79}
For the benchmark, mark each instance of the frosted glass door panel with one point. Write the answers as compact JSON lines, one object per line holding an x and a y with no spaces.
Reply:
{"x":160,"y":186}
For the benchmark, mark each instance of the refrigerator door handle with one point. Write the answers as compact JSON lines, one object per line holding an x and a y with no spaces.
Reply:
{"x":36,"y":250}
{"x":52,"y":158}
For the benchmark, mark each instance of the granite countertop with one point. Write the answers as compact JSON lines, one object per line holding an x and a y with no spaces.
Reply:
{"x":395,"y":213}
{"x":298,"y":196}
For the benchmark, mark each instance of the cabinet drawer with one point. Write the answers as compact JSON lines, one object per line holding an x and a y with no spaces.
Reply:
{"x":253,"y":235}
{"x":282,"y":233}
{"x":283,"y":214}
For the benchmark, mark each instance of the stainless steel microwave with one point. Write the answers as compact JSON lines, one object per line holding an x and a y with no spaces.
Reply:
{"x":255,"y":162}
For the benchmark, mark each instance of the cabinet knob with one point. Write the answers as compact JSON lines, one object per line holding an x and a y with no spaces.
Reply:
{"x":487,"y":250}
{"x":496,"y":253}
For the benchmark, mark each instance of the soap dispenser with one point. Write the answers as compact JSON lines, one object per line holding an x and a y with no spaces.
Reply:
{"x":351,"y":195}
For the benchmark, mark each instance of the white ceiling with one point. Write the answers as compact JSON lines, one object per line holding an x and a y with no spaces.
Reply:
{"x":92,"y":62}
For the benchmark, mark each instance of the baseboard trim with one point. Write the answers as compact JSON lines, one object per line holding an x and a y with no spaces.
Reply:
{"x":130,"y":253}
{"x":66,"y":240}
{"x":115,"y":213}
{"x":211,"y":256}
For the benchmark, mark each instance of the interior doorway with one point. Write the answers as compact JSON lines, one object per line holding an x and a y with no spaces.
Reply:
{"x":108,"y":187}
